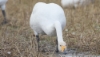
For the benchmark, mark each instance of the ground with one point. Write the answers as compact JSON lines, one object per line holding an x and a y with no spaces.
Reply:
{"x":17,"y":38}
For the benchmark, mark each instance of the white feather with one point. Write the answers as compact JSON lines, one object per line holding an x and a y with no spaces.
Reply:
{"x":2,"y":4}
{"x":48,"y":19}
{"x":75,"y":3}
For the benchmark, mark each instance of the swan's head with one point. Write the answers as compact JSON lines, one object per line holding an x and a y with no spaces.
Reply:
{"x":62,"y":47}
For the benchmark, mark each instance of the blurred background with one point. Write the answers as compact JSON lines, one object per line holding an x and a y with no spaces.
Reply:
{"x":17,"y":39}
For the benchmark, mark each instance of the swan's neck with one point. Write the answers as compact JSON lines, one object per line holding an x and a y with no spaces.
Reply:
{"x":58,"y":31}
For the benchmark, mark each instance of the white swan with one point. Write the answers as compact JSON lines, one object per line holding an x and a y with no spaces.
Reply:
{"x":2,"y":5}
{"x":75,"y":3}
{"x":49,"y":19}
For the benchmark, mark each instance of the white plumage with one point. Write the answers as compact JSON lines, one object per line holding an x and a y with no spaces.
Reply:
{"x":2,"y":6}
{"x":75,"y":3}
{"x":49,"y":19}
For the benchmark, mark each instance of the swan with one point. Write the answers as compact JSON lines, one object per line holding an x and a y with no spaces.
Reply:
{"x":75,"y":3}
{"x":49,"y":19}
{"x":2,"y":6}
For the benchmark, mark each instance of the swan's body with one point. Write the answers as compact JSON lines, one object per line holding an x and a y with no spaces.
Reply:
{"x":75,"y":3}
{"x":3,"y":6}
{"x":48,"y":19}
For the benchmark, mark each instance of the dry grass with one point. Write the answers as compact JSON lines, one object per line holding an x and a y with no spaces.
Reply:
{"x":81,"y":33}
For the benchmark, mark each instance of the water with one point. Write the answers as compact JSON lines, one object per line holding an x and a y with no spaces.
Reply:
{"x":73,"y":53}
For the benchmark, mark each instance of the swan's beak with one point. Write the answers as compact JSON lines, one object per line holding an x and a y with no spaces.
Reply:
{"x":63,"y":48}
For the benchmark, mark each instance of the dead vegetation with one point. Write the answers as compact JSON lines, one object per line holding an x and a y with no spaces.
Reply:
{"x":81,"y":33}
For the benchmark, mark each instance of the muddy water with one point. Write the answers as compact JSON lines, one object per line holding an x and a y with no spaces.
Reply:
{"x":73,"y":53}
{"x":70,"y":53}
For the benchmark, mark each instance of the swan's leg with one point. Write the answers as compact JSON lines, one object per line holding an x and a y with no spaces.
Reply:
{"x":4,"y":14}
{"x":57,"y":46}
{"x":38,"y":39}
